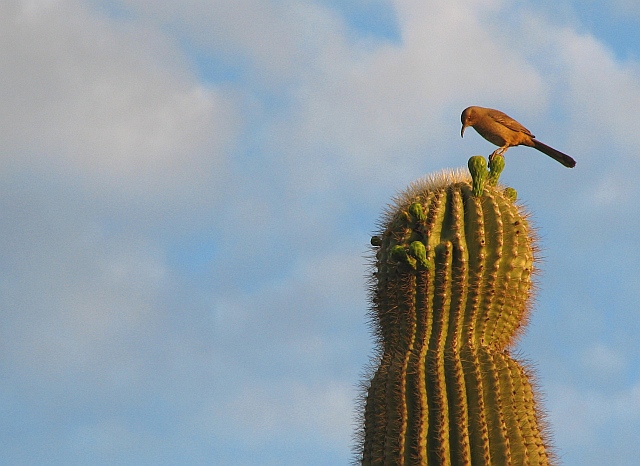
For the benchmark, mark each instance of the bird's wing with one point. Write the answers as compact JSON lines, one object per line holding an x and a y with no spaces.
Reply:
{"x":509,"y":122}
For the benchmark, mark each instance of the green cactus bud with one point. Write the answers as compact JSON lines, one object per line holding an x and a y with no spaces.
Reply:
{"x":510,"y":194}
{"x":399,"y":253}
{"x":416,"y":211}
{"x":478,"y":169}
{"x":419,"y":252}
{"x":496,"y":165}
{"x":446,"y":390}
{"x":376,"y":241}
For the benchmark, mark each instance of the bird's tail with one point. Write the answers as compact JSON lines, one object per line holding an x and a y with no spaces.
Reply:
{"x":564,"y":159}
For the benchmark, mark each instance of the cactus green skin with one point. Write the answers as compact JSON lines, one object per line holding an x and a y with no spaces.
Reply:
{"x":478,"y":169}
{"x":496,"y":165}
{"x":446,"y":390}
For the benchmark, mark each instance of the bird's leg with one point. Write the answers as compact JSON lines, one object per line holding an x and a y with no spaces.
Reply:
{"x":498,"y":151}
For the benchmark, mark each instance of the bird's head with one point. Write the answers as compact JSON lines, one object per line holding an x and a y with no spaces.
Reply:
{"x":468,"y":118}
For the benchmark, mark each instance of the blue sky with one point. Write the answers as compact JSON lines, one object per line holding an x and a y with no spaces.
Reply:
{"x":188,"y":189}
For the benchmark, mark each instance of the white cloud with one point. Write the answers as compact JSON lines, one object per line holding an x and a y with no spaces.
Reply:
{"x":581,"y":417}
{"x":600,"y":92}
{"x":265,"y":412}
{"x":276,"y":39}
{"x":611,"y":189}
{"x":626,"y":8}
{"x":604,"y":92}
{"x":105,"y":100}
{"x":603,"y":361}
{"x":83,"y":309}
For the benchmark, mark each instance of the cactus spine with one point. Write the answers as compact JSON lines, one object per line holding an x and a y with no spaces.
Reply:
{"x":451,"y":291}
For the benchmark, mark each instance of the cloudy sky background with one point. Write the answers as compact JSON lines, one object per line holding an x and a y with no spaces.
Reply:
{"x":188,"y":189}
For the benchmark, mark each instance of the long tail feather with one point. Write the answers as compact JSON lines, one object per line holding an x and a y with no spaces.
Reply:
{"x":564,"y":159}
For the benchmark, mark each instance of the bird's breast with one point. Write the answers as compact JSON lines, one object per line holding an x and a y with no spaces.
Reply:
{"x":494,"y":133}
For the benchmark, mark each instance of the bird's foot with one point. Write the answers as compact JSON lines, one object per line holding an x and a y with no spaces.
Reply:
{"x":498,"y":151}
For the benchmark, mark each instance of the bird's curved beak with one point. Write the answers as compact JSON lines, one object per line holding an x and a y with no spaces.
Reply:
{"x":462,"y":130}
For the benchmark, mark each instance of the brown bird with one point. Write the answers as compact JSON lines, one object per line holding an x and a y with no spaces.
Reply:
{"x":505,"y":132}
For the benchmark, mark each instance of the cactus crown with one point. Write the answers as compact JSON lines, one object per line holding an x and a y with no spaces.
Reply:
{"x":451,"y":290}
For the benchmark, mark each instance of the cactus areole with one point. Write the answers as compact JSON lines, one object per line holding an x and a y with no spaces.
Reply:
{"x":451,"y":290}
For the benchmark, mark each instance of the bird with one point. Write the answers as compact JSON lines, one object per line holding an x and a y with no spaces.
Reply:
{"x":503,"y":131}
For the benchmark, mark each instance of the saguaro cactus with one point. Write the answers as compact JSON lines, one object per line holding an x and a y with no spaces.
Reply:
{"x":451,"y":290}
